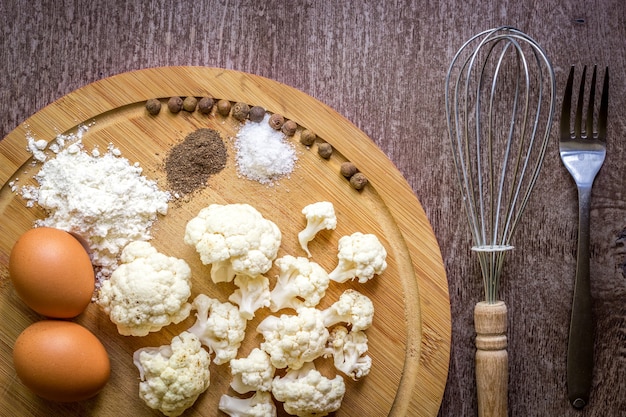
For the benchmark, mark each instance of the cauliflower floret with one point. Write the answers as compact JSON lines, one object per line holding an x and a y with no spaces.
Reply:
{"x":307,"y":393}
{"x":319,"y":216}
{"x":348,"y":351}
{"x":259,"y":405}
{"x":252,"y":293}
{"x":353,"y":308}
{"x":253,"y":373}
{"x":360,"y":256}
{"x":293,"y":340}
{"x":300,"y":283}
{"x":148,"y":291}
{"x":233,"y":239}
{"x":173,"y":376}
{"x":219,"y":326}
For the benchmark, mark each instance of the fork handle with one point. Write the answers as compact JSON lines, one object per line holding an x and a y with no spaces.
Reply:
{"x":580,"y":346}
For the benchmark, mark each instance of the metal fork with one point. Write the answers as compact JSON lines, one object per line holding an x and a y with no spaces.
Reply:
{"x":582,"y":152}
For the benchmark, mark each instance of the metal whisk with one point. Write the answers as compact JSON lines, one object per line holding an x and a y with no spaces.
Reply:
{"x":500,"y":97}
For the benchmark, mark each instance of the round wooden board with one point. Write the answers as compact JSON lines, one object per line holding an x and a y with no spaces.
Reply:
{"x":410,"y":338}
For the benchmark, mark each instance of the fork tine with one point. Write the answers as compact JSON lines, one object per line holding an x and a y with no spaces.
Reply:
{"x":604,"y":107}
{"x":578,"y":121}
{"x":592,"y":94}
{"x":566,"y":109}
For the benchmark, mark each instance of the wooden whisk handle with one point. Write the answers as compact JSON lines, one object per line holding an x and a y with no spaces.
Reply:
{"x":490,"y":322}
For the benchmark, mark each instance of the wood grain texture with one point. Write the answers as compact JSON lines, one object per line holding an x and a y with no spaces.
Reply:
{"x":382,"y":66}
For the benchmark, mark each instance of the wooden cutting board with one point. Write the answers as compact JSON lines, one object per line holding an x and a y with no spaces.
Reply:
{"x":410,"y":338}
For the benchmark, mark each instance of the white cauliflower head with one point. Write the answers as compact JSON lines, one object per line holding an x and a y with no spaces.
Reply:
{"x":233,"y":239}
{"x":353,"y":308}
{"x":219,"y":326}
{"x":348,"y":350}
{"x":360,"y":256}
{"x":252,"y":373}
{"x":148,"y":291}
{"x":252,"y":293}
{"x":319,"y":216}
{"x":307,"y":393}
{"x":173,"y":376}
{"x":300,"y":283}
{"x":292,"y":340}
{"x":259,"y":405}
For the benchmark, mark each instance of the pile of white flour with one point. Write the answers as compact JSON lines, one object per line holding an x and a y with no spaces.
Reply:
{"x":102,"y":198}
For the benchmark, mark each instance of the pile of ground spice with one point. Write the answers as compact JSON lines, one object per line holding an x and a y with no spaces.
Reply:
{"x":190,"y":163}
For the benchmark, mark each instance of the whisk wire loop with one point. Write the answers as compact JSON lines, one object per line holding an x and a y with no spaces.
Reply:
{"x":498,"y":147}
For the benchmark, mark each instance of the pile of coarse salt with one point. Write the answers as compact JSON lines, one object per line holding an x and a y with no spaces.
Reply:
{"x":100,"y":197}
{"x":263,"y":153}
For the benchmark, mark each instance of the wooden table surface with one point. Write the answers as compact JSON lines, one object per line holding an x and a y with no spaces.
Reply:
{"x":382,"y":66}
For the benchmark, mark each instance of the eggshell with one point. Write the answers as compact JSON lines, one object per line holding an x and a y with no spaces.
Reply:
{"x":52,"y":273}
{"x":61,"y":361}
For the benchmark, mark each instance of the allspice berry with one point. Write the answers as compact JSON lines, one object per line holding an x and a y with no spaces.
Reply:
{"x":348,"y":169}
{"x":190,"y":103}
{"x":307,"y":138}
{"x":276,"y":121}
{"x":175,"y":104}
{"x":289,"y":127}
{"x":205,"y":105}
{"x":223,"y":107}
{"x":325,"y":150}
{"x":256,"y":114}
{"x":358,"y":181}
{"x":240,"y":111}
{"x":153,"y":106}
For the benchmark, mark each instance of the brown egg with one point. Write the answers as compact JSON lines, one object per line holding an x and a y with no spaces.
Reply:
{"x":61,"y":361}
{"x":52,"y":272}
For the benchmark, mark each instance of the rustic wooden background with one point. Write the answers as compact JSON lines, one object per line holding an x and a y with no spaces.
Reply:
{"x":382,"y":65}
